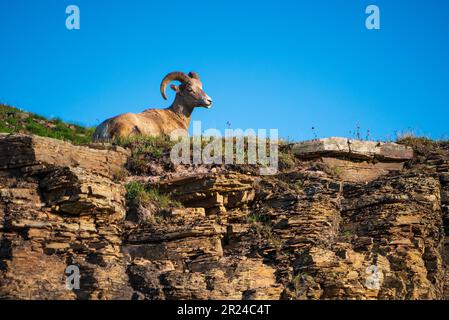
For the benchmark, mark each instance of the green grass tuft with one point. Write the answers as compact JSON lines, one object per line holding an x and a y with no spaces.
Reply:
{"x":154,"y":146}
{"x":138,"y":194}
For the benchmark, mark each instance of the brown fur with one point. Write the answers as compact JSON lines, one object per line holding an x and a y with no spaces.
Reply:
{"x":156,"y":122}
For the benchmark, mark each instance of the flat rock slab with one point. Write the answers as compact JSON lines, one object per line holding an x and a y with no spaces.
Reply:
{"x":18,"y":151}
{"x":356,"y":149}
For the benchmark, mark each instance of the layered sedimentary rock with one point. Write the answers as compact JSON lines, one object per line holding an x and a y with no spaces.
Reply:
{"x":333,"y":226}
{"x":60,"y":207}
{"x":215,"y":193}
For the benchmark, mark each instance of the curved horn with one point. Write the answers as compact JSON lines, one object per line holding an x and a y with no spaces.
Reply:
{"x":172,"y":76}
{"x":194,"y":75}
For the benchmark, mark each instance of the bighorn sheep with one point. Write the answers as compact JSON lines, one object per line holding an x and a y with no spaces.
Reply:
{"x":156,"y":122}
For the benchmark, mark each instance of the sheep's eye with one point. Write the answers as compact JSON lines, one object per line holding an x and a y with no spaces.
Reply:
{"x":190,"y":90}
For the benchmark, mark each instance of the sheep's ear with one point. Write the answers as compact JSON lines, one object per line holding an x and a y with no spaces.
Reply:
{"x":174,"y":88}
{"x":194,"y":75}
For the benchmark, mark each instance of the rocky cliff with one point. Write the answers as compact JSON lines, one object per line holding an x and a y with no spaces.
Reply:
{"x":341,"y":220}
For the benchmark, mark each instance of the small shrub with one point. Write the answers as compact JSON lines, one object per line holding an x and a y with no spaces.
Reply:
{"x":153,"y":146}
{"x":144,"y":150}
{"x":301,"y":282}
{"x":347,"y":235}
{"x":256,"y":217}
{"x":120,"y":175}
{"x":421,"y":145}
{"x":135,"y":192}
{"x":138,"y":194}
{"x":286,"y":158}
{"x":334,"y":171}
{"x":261,"y":224}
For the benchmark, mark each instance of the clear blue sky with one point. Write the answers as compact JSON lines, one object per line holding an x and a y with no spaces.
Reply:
{"x":291,"y":65}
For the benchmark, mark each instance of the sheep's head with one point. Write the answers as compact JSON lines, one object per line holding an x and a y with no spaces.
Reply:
{"x":190,"y":89}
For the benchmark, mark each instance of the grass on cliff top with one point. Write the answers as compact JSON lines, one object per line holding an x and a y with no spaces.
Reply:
{"x":138,"y":194}
{"x":153,"y":146}
{"x":13,"y":120}
{"x":144,"y":149}
{"x":419,"y":144}
{"x":423,"y":146}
